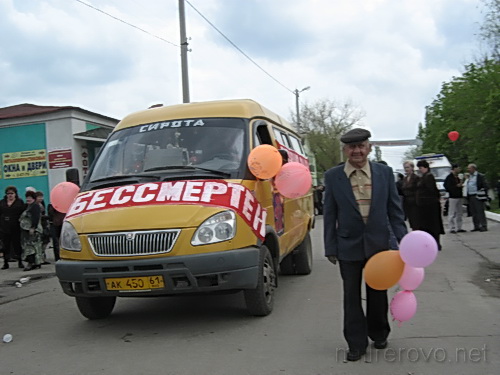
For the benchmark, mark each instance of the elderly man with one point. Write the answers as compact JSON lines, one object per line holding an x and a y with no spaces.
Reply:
{"x":476,"y":185}
{"x":361,"y":209}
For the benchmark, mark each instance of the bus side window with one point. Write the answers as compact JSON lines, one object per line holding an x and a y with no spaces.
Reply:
{"x":262,"y":136}
{"x":296,"y":145}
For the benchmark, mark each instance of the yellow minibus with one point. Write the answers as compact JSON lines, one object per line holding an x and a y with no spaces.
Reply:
{"x":170,"y":207}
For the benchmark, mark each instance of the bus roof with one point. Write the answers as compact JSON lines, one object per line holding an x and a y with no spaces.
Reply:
{"x":429,"y":156}
{"x":240,"y":108}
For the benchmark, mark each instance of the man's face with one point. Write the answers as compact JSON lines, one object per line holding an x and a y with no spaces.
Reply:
{"x":357,"y":153}
{"x":470,"y":169}
{"x":456,"y":170}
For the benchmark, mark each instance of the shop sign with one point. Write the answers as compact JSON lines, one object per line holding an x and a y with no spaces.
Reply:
{"x":21,"y":164}
{"x":60,"y":159}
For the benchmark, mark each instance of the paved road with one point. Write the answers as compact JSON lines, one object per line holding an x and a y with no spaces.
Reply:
{"x":455,"y":331}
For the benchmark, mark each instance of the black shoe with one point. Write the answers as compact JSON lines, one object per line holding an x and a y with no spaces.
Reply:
{"x":45,"y":263}
{"x":453,"y":231}
{"x":5,"y":266}
{"x":483,"y":229}
{"x":31,"y":267}
{"x":461,"y":231}
{"x":475,"y":230}
{"x":28,"y":267}
{"x":380,"y":344}
{"x":355,"y":355}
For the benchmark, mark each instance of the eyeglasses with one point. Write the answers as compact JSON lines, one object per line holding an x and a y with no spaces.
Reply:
{"x":11,"y":193}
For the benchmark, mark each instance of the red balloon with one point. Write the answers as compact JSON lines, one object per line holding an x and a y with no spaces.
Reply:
{"x":62,"y":195}
{"x":453,"y":135}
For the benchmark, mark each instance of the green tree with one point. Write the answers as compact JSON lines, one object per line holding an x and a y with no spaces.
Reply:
{"x":469,"y":104}
{"x":412,"y":153}
{"x":490,"y":29}
{"x":322,"y":124}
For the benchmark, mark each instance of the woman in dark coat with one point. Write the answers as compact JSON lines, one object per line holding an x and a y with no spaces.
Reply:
{"x":410,"y":194}
{"x":428,"y":203}
{"x":11,"y":208}
{"x":31,"y":232}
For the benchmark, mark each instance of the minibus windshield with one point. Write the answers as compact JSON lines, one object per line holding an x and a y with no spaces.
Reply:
{"x":203,"y":145}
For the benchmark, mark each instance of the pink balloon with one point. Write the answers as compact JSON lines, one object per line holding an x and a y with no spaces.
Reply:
{"x":403,"y":306}
{"x":412,"y":277}
{"x":62,"y":195}
{"x":418,"y":249}
{"x":293,"y":180}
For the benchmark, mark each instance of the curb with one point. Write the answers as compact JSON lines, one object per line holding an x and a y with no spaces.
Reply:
{"x":492,"y":216}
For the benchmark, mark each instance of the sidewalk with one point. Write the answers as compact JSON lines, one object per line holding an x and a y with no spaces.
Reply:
{"x":486,"y":244}
{"x":25,"y":280}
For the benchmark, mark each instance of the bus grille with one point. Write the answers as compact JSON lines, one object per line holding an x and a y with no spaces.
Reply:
{"x":133,"y":243}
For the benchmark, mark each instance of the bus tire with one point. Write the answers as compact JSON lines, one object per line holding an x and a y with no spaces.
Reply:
{"x":303,"y":256}
{"x":95,"y":307}
{"x":286,"y":266}
{"x":260,"y":301}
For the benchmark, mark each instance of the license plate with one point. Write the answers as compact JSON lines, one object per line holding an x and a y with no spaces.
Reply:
{"x":135,"y":283}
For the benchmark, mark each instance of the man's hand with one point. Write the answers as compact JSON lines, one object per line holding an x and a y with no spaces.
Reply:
{"x":332,"y":259}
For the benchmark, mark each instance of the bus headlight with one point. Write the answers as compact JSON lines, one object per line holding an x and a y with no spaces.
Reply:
{"x":217,"y":228}
{"x":69,"y":238}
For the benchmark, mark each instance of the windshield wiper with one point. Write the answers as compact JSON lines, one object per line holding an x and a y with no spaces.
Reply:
{"x":215,"y":171}
{"x":125,"y":177}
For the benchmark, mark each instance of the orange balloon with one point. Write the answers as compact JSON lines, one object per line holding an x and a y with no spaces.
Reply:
{"x":384,"y":269}
{"x":264,"y":161}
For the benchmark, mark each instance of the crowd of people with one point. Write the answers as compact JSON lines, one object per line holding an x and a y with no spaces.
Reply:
{"x":422,"y":199}
{"x":26,"y":229}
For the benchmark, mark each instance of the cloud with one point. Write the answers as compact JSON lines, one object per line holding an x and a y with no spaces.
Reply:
{"x":261,"y":28}
{"x":388,"y":57}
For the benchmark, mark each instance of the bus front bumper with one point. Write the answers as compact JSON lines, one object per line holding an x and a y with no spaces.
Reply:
{"x":202,"y":273}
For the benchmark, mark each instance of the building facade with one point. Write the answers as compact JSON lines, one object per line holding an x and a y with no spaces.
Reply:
{"x":39,"y":143}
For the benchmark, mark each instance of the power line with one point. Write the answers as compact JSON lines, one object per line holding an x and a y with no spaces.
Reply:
{"x":127,"y":23}
{"x":235,"y":46}
{"x":176,"y":45}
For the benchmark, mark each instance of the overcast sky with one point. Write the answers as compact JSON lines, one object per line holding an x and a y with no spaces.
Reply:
{"x":387,"y":57}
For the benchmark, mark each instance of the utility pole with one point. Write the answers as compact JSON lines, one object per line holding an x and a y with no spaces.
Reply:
{"x":184,"y":51}
{"x":297,"y":92}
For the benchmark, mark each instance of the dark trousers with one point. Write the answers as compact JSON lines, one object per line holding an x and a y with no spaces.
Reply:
{"x":55,"y":234}
{"x":11,"y":245}
{"x":477,"y":212}
{"x":357,"y":326}
{"x":318,"y":207}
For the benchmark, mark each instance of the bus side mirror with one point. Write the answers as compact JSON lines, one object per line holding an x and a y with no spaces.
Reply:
{"x":73,"y":176}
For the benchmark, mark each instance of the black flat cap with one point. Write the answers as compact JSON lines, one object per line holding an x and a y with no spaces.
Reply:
{"x":356,"y":135}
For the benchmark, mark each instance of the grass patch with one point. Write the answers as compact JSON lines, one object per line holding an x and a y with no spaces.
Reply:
{"x":495,"y":206}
